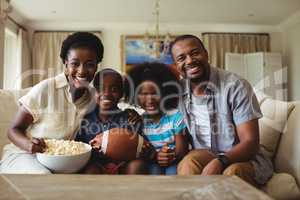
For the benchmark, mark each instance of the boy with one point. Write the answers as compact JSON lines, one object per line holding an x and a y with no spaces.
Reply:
{"x":109,"y":90}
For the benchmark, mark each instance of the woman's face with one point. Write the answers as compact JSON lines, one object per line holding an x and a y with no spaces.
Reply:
{"x":81,"y":66}
{"x":149,"y":97}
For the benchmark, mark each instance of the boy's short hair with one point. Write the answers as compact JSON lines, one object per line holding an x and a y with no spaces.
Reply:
{"x":160,"y":74}
{"x":82,"y":40}
{"x":107,"y":71}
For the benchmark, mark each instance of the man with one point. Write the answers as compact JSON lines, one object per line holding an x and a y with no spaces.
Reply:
{"x":221,"y":114}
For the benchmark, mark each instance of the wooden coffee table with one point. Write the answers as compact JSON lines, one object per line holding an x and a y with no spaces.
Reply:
{"x":108,"y":187}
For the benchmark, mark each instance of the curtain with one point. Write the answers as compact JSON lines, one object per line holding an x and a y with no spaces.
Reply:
{"x":45,"y":54}
{"x":24,"y":59}
{"x":217,"y":44}
{"x":1,"y":53}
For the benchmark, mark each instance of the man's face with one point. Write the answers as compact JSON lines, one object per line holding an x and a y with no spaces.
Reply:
{"x":191,"y":59}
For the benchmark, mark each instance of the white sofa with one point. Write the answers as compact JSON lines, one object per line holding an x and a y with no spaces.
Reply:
{"x":280,"y":135}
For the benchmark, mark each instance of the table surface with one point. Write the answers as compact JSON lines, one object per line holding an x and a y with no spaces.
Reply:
{"x":131,"y":187}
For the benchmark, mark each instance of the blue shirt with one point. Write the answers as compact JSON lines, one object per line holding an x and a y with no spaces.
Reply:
{"x":165,"y":130}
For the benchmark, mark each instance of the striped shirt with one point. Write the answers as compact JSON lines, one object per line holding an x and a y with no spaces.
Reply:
{"x":165,"y":130}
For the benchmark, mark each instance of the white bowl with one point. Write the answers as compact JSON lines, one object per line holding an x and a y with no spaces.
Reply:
{"x":65,"y":163}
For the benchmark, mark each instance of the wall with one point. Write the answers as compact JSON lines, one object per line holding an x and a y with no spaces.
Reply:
{"x":112,"y":41}
{"x":112,"y":33}
{"x":292,"y":56}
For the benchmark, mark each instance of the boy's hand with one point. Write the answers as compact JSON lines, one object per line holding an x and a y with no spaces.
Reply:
{"x":133,"y":116}
{"x":148,"y":151}
{"x":165,"y":156}
{"x":36,"y":145}
{"x":96,"y":141}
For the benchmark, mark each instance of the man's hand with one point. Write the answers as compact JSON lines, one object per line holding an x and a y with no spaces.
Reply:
{"x":213,"y":167}
{"x":96,"y":141}
{"x":36,"y":145}
{"x":165,"y":156}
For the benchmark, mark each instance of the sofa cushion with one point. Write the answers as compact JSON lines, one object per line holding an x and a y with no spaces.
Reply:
{"x":288,"y":155}
{"x":8,"y":109}
{"x":282,"y":186}
{"x":271,"y":125}
{"x":8,"y":106}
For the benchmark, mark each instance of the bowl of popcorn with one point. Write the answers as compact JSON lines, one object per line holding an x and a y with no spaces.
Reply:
{"x":64,"y":156}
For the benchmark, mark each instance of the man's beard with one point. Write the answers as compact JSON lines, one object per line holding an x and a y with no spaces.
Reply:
{"x":203,"y":77}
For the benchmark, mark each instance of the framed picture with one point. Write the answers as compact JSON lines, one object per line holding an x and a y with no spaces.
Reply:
{"x":136,"y":49}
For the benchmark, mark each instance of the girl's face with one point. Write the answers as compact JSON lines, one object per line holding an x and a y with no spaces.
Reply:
{"x":108,"y":96}
{"x":149,"y":97}
{"x":81,"y":66}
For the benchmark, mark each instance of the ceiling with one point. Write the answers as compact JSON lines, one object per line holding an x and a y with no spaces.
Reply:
{"x":260,"y":12}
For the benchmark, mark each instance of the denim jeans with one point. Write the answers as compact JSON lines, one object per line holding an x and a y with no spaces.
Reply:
{"x":155,"y":169}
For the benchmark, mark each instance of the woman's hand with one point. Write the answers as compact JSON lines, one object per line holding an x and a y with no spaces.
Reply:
{"x":96,"y":141}
{"x":36,"y":145}
{"x":165,"y":156}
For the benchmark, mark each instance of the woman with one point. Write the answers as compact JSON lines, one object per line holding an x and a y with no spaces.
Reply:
{"x":54,"y":107}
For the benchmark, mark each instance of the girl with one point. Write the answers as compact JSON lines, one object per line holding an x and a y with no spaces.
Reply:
{"x":54,"y":107}
{"x":155,"y":88}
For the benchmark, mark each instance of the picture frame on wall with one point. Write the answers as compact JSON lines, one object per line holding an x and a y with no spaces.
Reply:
{"x":136,"y":49}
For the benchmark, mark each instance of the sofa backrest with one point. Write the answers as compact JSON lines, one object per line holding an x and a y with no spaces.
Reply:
{"x":288,"y":154}
{"x":273,"y":122}
{"x":283,"y":145}
{"x":8,"y":109}
{"x":280,"y":133}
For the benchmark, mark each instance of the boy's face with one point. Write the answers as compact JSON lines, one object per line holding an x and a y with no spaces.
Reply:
{"x":149,"y":97}
{"x":109,"y":93}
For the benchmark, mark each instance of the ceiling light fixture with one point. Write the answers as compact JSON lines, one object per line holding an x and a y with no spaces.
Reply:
{"x":157,"y":45}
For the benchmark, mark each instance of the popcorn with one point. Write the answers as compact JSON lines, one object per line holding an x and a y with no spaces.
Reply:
{"x":64,"y":147}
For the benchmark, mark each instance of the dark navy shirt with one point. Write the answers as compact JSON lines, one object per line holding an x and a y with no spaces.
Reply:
{"x":91,"y":125}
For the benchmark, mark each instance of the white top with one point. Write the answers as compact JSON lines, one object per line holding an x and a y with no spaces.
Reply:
{"x":203,"y":129}
{"x":55,"y":116}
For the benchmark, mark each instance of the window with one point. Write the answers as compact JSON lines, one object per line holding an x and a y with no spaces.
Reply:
{"x":12,"y":73}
